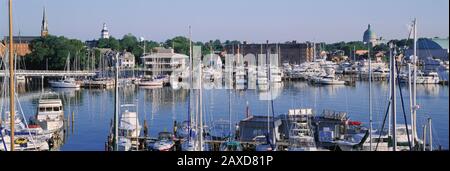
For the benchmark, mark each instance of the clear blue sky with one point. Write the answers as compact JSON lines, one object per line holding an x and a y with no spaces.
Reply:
{"x":251,"y":20}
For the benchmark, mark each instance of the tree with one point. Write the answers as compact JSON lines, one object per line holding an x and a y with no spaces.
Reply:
{"x":55,"y":50}
{"x":111,"y":43}
{"x":180,"y":44}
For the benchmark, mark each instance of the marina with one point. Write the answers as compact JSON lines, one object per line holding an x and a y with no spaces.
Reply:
{"x":186,"y":95}
{"x":90,"y":118}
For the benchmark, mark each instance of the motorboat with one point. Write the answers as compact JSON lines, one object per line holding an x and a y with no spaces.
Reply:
{"x":50,"y":112}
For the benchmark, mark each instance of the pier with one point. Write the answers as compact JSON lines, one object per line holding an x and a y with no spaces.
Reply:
{"x":50,"y":73}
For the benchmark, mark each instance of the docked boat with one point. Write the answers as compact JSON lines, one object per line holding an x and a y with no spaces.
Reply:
{"x":330,"y":80}
{"x":263,"y":143}
{"x":65,"y":83}
{"x":231,"y":146}
{"x":50,"y":113}
{"x":129,"y":129}
{"x":430,"y":77}
{"x":301,"y":136}
{"x":164,"y":143}
{"x":151,"y":83}
{"x":239,"y":76}
{"x":262,"y":78}
{"x":381,"y":141}
{"x":275,"y":75}
{"x":27,"y":137}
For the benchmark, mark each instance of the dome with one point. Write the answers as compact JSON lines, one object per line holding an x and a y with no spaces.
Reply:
{"x":425,"y":43}
{"x":369,"y":35}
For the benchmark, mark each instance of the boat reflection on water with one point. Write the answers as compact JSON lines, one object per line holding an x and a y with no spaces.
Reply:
{"x":274,"y":90}
{"x":430,"y":89}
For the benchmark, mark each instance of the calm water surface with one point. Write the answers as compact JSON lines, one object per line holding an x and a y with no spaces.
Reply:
{"x":93,"y":109}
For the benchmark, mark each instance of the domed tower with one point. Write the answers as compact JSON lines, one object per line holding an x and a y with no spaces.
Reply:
{"x":370,"y":36}
{"x":105,"y":33}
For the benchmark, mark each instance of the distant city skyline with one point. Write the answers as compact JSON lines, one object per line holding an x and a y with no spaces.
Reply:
{"x":245,"y":20}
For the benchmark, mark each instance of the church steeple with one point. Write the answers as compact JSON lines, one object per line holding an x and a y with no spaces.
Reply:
{"x":44,"y":27}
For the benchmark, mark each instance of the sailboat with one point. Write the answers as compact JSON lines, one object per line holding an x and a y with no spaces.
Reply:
{"x":66,"y":82}
{"x":16,"y":133}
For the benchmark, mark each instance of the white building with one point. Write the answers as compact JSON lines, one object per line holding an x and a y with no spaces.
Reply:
{"x":126,"y":60}
{"x":163,"y":62}
{"x":104,"y":32}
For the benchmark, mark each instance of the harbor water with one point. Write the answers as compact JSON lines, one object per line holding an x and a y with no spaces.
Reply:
{"x":89,"y":112}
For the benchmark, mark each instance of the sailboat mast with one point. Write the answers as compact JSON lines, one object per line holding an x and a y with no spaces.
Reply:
{"x":190,"y":81}
{"x":411,"y":106}
{"x":116,"y":107}
{"x":11,"y":76}
{"x":370,"y":95}
{"x":414,"y":81}
{"x":393,"y":99}
{"x":201,"y":110}
{"x":268,"y":83}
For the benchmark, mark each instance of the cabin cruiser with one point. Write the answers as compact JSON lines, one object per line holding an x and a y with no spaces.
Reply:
{"x":430,"y":77}
{"x":275,"y":75}
{"x":50,"y":113}
{"x":129,"y":130}
{"x":381,"y":72}
{"x":262,"y":78}
{"x":239,"y":76}
{"x":330,"y":80}
{"x":301,"y":136}
{"x":65,"y":83}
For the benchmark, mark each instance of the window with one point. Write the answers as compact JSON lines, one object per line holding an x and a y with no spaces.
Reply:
{"x":55,"y":108}
{"x":41,"y":109}
{"x":48,"y":109}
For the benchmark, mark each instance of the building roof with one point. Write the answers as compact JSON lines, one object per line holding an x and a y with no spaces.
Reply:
{"x":23,"y":39}
{"x":433,"y":43}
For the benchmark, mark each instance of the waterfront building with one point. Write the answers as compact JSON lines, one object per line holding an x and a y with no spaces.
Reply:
{"x":290,"y":52}
{"x":163,"y":62}
{"x":126,"y":60}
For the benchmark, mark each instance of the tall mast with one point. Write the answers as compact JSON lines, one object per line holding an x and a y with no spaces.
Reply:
{"x":12,"y":109}
{"x":201,"y":110}
{"x":393,"y":98}
{"x":370,"y":95}
{"x":116,"y":107}
{"x":411,"y":106}
{"x":414,"y":81}
{"x":191,"y":72}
